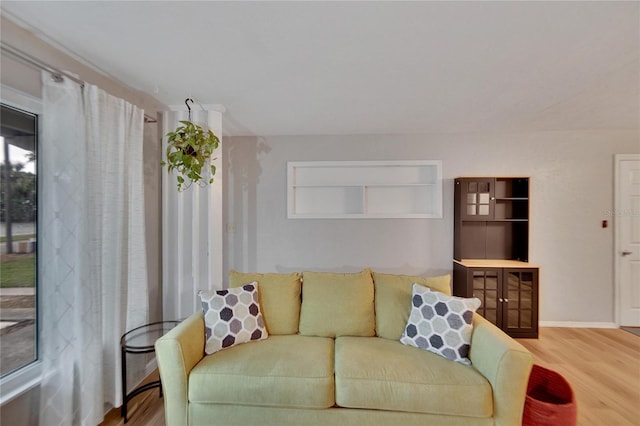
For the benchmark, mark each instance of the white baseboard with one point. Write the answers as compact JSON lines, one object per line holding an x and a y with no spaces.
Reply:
{"x":578,"y":324}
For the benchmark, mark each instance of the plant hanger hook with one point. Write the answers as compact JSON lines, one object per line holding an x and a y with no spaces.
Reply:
{"x":188,"y":107}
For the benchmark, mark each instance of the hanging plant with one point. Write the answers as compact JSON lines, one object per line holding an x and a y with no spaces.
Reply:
{"x":189,"y":152}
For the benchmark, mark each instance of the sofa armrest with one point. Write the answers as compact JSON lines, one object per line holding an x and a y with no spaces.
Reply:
{"x":177,"y":352}
{"x":506,"y":364}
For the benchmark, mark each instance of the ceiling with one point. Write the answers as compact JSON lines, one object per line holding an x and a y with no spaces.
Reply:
{"x":312,"y":68}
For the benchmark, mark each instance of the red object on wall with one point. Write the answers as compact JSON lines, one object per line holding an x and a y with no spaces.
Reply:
{"x":550,"y":400}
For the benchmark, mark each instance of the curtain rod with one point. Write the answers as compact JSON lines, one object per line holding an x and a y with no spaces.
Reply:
{"x":57,"y":74}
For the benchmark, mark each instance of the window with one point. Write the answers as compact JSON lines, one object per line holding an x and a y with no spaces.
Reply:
{"x":18,"y":239}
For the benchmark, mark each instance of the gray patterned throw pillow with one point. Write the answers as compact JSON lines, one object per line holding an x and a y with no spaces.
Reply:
{"x":232,"y":317}
{"x":440,"y":324}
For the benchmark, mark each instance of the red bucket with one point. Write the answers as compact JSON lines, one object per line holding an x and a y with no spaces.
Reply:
{"x":550,"y":400}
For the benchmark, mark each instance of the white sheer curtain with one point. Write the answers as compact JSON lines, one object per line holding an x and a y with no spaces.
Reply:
{"x":93,"y":278}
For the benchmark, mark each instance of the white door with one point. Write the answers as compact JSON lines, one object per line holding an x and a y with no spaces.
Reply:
{"x":627,"y":222}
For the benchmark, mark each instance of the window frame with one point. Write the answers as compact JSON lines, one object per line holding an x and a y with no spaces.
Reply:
{"x":29,"y":375}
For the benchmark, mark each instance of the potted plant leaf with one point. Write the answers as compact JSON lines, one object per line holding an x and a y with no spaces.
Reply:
{"x":189,"y":152}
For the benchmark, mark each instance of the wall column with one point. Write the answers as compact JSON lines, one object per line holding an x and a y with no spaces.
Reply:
{"x":191,"y":227}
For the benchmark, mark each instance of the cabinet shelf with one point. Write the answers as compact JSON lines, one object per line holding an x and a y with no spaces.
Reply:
{"x":491,"y":218}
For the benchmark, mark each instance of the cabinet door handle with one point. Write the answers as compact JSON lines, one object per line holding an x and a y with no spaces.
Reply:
{"x":500,"y":299}
{"x":506,"y":300}
{"x":627,"y":253}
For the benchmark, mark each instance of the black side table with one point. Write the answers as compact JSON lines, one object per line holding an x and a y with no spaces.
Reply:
{"x":141,"y":340}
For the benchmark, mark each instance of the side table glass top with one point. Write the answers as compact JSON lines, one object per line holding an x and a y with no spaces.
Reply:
{"x":143,"y":338}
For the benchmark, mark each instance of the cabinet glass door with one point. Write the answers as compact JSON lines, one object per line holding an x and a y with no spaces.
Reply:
{"x":520,"y":301}
{"x":485,"y":287}
{"x":477,"y":199}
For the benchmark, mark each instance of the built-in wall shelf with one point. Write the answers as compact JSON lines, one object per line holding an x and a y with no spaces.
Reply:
{"x":364,"y":189}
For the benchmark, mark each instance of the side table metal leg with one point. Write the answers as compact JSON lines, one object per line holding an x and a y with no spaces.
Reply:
{"x":123,"y":410}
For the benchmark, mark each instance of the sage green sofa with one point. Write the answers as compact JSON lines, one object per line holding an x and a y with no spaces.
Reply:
{"x":333,"y":357}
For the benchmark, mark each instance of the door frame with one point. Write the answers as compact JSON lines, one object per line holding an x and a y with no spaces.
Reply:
{"x":618,"y":159}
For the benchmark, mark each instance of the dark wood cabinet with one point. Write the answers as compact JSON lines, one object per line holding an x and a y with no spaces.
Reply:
{"x":491,"y":218}
{"x":507,"y":289}
{"x":491,"y":251}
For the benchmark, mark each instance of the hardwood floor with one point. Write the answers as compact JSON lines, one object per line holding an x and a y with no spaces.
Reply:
{"x":146,"y":409}
{"x":602,"y":366}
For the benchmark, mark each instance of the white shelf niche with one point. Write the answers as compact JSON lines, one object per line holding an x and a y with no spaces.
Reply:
{"x":364,"y":189}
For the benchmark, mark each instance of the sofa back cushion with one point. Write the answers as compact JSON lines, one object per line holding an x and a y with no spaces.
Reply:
{"x":393,"y":300}
{"x":279,"y":296}
{"x":337,"y":304}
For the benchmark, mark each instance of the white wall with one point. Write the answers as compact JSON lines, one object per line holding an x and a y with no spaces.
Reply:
{"x":571,"y":193}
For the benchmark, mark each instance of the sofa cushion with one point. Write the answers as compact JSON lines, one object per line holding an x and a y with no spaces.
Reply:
{"x":393,"y":300}
{"x":282,"y":371}
{"x":382,"y":374}
{"x":337,"y":304}
{"x":279,"y":299}
{"x":232,"y":317}
{"x":441,"y":324}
